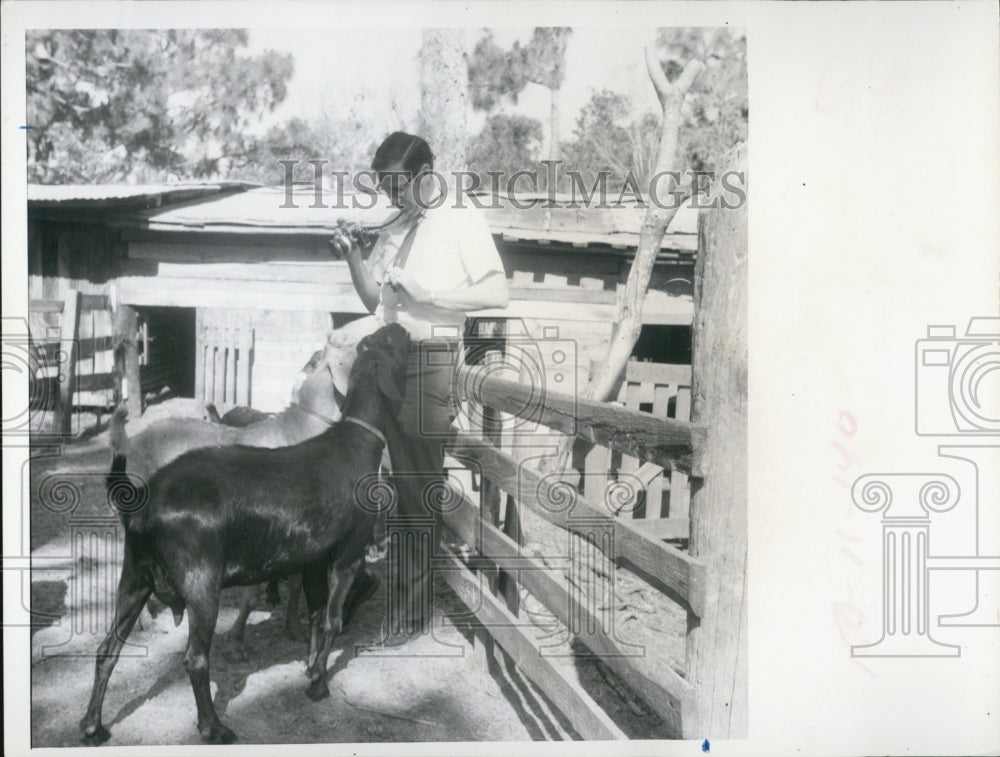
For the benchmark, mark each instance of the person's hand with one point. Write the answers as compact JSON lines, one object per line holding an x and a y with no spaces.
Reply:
{"x":400,"y":278}
{"x":342,"y":242}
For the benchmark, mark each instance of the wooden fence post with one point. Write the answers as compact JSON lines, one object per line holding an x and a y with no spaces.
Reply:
{"x":127,"y":324}
{"x":67,"y":376}
{"x":717,"y":641}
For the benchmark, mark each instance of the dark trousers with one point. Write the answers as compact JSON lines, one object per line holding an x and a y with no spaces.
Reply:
{"x":416,"y":448}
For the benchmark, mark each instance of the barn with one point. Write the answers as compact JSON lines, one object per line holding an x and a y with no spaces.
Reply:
{"x":227,"y":288}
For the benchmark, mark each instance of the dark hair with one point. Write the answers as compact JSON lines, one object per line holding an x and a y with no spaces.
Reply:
{"x":410,"y":150}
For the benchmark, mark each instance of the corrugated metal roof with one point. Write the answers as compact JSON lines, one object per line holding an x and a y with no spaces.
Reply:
{"x":223,"y":208}
{"x":269,"y":209}
{"x":124,"y":194}
{"x":276,"y":210}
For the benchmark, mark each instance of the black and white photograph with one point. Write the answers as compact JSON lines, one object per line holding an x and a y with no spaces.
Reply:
{"x":224,"y":254}
{"x":434,"y":377}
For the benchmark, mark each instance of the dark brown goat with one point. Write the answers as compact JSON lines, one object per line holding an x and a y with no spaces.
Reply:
{"x":238,"y":516}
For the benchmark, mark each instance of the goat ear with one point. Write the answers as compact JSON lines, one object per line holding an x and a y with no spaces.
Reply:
{"x":340,"y":377}
{"x":386,"y":379}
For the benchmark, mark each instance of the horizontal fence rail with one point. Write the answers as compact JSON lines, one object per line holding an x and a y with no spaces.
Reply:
{"x":672,"y":444}
{"x":586,"y":715}
{"x":667,"y":693}
{"x":560,"y":504}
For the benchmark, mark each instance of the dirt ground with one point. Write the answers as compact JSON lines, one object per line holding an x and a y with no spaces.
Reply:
{"x":433,"y":689}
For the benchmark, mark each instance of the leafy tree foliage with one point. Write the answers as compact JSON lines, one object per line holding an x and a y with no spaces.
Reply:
{"x":611,"y":136}
{"x":608,"y":138}
{"x":717,"y":107}
{"x":496,"y":75}
{"x":138,"y":105}
{"x":507,"y":143}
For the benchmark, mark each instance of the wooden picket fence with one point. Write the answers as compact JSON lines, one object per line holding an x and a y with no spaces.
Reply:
{"x":662,"y":496}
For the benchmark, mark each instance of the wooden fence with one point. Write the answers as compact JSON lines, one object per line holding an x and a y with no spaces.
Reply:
{"x":673,"y":445}
{"x":660,"y":498}
{"x":708,"y":698}
{"x":77,"y":369}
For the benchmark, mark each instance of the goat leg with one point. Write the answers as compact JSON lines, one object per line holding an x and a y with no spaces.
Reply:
{"x":237,"y":648}
{"x":340,"y":579}
{"x":203,"y":611}
{"x":133,"y":592}
{"x":314,"y":586}
{"x":292,"y":626}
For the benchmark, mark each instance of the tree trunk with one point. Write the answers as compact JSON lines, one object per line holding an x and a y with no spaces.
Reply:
{"x":628,"y":319}
{"x":717,"y":642}
{"x":444,"y":86}
{"x":554,"y":124}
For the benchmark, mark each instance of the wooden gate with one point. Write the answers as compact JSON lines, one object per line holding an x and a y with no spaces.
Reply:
{"x":75,"y":369}
{"x":223,"y":362}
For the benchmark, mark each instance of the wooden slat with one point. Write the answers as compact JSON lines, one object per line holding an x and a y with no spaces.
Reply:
{"x":680,"y":487}
{"x":68,"y":342}
{"x":666,"y":692}
{"x":219,"y":375}
{"x":45,"y":306}
{"x":231,"y":341}
{"x":191,"y":292}
{"x":676,"y":445}
{"x":93,"y":302}
{"x":217,"y":252}
{"x":489,"y":493}
{"x":562,"y":294}
{"x":595,"y":473}
{"x":666,"y":528}
{"x":199,"y":360}
{"x":663,"y":564}
{"x":647,"y":473}
{"x":588,"y":719}
{"x":329,"y":271}
{"x":658,"y":373}
{"x":632,"y":399}
{"x":654,"y":490}
{"x":243,"y":380}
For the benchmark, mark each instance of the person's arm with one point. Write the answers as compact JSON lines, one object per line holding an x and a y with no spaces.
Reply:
{"x":364,"y":283}
{"x":366,"y":287}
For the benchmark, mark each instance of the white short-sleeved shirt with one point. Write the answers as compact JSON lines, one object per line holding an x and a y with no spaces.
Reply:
{"x":452,"y":249}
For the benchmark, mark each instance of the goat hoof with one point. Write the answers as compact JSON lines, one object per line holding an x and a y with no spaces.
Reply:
{"x":217,"y":734}
{"x":318,"y":690}
{"x":95,"y":737}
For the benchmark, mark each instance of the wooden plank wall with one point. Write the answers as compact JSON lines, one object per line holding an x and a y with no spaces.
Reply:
{"x":65,"y":257}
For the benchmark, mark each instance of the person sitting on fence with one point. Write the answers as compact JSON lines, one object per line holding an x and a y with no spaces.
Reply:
{"x":427,"y":269}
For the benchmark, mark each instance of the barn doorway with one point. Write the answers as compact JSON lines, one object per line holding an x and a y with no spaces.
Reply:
{"x":663,"y":344}
{"x":167,"y":341}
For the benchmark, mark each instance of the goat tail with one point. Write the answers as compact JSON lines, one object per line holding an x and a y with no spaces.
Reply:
{"x":117,"y":434}
{"x":125,"y":496}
